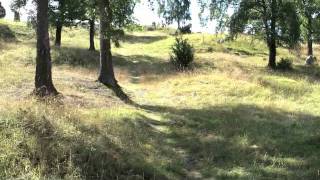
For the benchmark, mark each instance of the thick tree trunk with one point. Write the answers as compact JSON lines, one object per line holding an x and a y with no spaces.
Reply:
{"x":43,"y":78}
{"x":106,"y":65}
{"x":58,"y":34}
{"x":272,"y":54}
{"x":272,"y":37}
{"x":16,"y":16}
{"x":309,"y":36}
{"x":92,"y":32}
{"x":310,"y":48}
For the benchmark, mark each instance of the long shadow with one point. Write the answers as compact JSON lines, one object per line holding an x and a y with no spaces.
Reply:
{"x":76,"y":57}
{"x":132,"y":39}
{"x":311,"y":72}
{"x":89,"y":155}
{"x":143,"y":65}
{"x":135,"y":65}
{"x":238,"y":142}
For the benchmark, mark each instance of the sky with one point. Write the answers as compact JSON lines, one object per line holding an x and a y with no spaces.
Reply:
{"x":143,"y":14}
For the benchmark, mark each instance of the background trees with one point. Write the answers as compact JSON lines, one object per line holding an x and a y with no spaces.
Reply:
{"x":64,"y":13}
{"x":276,"y":19}
{"x":174,"y":11}
{"x":15,"y":6}
{"x":309,"y":11}
{"x":216,"y":10}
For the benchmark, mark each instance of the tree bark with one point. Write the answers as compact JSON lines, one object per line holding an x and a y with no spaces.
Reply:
{"x":58,"y":34}
{"x":92,"y":32}
{"x":272,"y":36}
{"x":106,"y":65}
{"x":272,"y":53}
{"x":309,"y":36}
{"x":43,"y":78}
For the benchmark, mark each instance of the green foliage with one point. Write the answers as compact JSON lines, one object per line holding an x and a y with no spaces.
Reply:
{"x":285,"y":64}
{"x":258,"y":17}
{"x":122,"y":11}
{"x":2,"y":11}
{"x":174,"y":11}
{"x":309,"y":15}
{"x":65,"y":12}
{"x":16,"y":5}
{"x":216,"y":10}
{"x":118,"y":16}
{"x":182,"y":53}
{"x":289,"y":25}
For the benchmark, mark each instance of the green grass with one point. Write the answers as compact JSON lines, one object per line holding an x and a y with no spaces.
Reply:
{"x":229,"y":118}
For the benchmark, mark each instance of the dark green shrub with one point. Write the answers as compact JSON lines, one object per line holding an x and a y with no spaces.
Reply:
{"x":182,"y":53}
{"x":2,"y":11}
{"x":285,"y":64}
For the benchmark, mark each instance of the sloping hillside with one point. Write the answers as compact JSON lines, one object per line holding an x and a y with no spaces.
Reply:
{"x":228,"y":118}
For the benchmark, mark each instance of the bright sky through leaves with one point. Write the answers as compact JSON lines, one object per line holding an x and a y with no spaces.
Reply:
{"x":143,"y":14}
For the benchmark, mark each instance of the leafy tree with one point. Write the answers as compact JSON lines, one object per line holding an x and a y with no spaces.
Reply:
{"x":277,"y":20}
{"x":174,"y":11}
{"x":15,"y":7}
{"x":309,"y":11}
{"x":114,"y":15}
{"x":2,"y":11}
{"x":217,"y":10}
{"x":43,"y":78}
{"x":64,"y":13}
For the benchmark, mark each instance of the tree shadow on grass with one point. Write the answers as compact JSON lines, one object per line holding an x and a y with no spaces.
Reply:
{"x":135,"y":65}
{"x":143,"y":65}
{"x":133,"y":39}
{"x":238,"y":142}
{"x":88,"y":154}
{"x":312,"y":72}
{"x":6,"y":34}
{"x":77,"y":57}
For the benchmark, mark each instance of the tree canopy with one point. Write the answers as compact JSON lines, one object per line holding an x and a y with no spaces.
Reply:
{"x":276,"y":20}
{"x":2,"y":11}
{"x":174,"y":11}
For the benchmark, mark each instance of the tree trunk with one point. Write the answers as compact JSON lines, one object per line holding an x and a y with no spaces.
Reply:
{"x":43,"y":78}
{"x":272,"y":37}
{"x":106,"y":66}
{"x":309,"y":36}
{"x":16,"y":16}
{"x":58,"y":34}
{"x":179,"y":24}
{"x":92,"y":32}
{"x":272,"y":53}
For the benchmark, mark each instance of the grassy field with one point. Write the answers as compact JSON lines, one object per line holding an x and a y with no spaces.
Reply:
{"x":228,"y":118}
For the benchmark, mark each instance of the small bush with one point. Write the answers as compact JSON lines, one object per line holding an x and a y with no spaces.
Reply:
{"x":285,"y":64}
{"x":182,"y":53}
